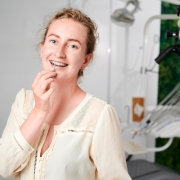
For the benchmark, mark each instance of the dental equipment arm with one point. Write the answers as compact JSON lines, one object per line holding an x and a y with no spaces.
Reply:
{"x":167,"y":51}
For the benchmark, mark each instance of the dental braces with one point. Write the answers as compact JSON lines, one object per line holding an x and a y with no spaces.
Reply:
{"x":53,"y":66}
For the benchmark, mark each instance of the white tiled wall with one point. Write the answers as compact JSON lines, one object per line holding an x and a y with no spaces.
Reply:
{"x":113,"y":76}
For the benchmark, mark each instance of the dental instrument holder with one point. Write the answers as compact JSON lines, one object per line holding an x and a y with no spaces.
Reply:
{"x":163,"y":121}
{"x":167,"y":51}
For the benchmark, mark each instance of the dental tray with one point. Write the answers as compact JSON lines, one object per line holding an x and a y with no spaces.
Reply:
{"x":133,"y":148}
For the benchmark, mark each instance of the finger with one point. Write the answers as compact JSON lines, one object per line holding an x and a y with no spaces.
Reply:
{"x":38,"y":76}
{"x":42,"y":76}
{"x":45,"y":77}
{"x":45,"y":84}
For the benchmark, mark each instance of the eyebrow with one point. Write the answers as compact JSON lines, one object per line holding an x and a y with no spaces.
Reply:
{"x":68,"y":39}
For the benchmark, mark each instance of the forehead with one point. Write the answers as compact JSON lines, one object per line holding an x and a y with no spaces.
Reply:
{"x":68,"y":28}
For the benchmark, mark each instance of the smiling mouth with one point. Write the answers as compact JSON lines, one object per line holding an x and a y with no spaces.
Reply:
{"x":60,"y":64}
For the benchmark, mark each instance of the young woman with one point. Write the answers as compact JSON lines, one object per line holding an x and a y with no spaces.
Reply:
{"x":56,"y":131}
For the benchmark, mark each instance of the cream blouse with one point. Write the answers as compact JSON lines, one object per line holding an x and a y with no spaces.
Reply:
{"x":86,"y":146}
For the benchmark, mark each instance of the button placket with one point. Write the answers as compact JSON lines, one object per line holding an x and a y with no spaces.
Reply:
{"x":37,"y":163}
{"x":40,"y":164}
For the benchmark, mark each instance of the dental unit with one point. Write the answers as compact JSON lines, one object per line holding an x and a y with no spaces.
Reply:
{"x":164,"y":120}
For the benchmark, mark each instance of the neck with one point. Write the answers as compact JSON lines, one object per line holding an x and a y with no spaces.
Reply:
{"x":64,"y":90}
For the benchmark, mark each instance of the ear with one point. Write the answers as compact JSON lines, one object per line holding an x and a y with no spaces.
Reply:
{"x":41,"y":49}
{"x":87,"y":60}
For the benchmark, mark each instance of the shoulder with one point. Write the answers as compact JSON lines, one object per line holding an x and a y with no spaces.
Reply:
{"x":100,"y":109}
{"x":103,"y":116}
{"x":97,"y":101}
{"x":107,"y":118}
{"x":101,"y":104}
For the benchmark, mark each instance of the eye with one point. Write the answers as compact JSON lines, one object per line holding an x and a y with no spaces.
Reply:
{"x":73,"y":46}
{"x":53,"y":41}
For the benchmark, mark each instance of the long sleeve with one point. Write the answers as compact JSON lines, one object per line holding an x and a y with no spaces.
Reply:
{"x":107,"y":150}
{"x":14,"y":149}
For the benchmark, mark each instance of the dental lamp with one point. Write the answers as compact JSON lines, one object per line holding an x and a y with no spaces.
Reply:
{"x":123,"y":16}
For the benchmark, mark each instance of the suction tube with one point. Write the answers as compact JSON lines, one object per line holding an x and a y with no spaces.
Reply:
{"x":167,"y":51}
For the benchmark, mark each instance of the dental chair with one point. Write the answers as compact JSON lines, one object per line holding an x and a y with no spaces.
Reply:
{"x":144,"y":170}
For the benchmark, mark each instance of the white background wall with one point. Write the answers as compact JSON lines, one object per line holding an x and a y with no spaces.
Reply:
{"x":21,"y":19}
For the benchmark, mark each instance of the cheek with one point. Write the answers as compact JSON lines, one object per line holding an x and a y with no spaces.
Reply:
{"x":46,"y":53}
{"x":77,"y":60}
{"x":72,"y":54}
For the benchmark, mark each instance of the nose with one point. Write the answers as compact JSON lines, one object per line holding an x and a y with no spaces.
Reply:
{"x":60,"y":52}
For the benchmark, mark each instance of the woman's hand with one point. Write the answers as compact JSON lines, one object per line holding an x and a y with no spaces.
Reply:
{"x":42,"y":90}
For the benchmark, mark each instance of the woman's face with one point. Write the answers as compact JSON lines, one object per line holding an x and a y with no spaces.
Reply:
{"x":65,"y":46}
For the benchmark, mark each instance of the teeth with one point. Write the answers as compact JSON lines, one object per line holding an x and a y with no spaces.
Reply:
{"x":58,"y":63}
